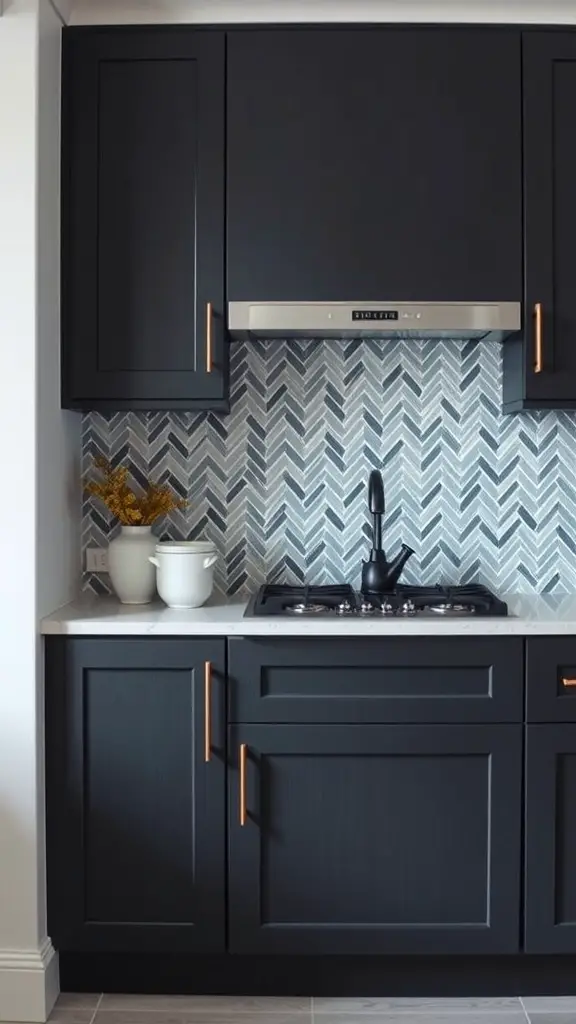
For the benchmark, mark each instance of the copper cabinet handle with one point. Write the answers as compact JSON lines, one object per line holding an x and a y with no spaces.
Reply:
{"x":569,"y":682}
{"x":208,"y":337}
{"x":243,"y":757}
{"x":207,"y":710}
{"x":538,"y":331}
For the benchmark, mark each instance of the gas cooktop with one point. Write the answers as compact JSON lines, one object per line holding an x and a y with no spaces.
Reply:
{"x":342,"y":600}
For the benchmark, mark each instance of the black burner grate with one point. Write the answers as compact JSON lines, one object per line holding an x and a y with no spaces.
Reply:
{"x":280,"y":599}
{"x":276,"y":599}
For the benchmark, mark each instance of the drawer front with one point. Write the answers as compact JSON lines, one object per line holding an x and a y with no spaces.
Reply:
{"x":453,"y":679}
{"x":551,"y":679}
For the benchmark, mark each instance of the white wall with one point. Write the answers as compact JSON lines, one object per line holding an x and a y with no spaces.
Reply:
{"x":117,"y":11}
{"x":38,"y":520}
{"x":58,"y":479}
{"x":19,"y":897}
{"x":58,"y":433}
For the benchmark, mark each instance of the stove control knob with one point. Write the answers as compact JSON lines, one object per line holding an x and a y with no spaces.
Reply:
{"x":387,"y":608}
{"x":345,"y":608}
{"x":366,"y":608}
{"x":408,"y":608}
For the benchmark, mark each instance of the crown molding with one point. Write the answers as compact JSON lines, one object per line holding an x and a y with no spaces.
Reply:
{"x":229,"y":11}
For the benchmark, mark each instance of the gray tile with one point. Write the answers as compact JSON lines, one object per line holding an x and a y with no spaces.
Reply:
{"x":356,"y":1007}
{"x":70,"y":1016}
{"x":397,"y":1016}
{"x":550,"y":1004}
{"x":553,"y":1018}
{"x":76,"y":1000}
{"x":209,"y":1004}
{"x":167,"y":1016}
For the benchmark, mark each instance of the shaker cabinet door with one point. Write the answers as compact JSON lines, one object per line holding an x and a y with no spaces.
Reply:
{"x":374,"y":839}
{"x":540,"y":369}
{"x":550,"y":839}
{"x":143,"y":220}
{"x":135,"y":812}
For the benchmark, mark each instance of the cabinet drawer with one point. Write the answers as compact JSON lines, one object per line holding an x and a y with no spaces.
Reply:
{"x":452,"y":679}
{"x":551,"y":679}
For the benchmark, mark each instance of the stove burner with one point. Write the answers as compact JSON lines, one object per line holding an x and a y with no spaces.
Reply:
{"x":366,"y":608}
{"x":451,"y":609}
{"x":404,"y":602}
{"x":306,"y":609}
{"x":345,"y":608}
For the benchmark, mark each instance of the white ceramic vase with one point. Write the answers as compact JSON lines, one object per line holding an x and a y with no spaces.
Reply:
{"x":131,"y":574}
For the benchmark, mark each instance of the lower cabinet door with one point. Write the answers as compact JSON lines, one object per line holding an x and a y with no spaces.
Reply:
{"x":135,"y":813}
{"x":374,"y":839}
{"x":550,"y":839}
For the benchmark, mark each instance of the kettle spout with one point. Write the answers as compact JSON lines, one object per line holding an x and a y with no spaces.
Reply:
{"x":395,"y":567}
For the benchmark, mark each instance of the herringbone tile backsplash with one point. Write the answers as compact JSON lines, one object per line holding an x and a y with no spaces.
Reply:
{"x":280,"y":484}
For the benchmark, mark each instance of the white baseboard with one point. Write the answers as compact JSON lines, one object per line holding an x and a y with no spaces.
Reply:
{"x":29,"y":983}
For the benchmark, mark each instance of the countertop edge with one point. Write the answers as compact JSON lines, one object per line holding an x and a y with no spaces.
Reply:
{"x":531,"y":615}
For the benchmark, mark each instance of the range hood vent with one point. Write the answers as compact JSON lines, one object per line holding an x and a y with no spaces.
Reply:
{"x":490,"y":321}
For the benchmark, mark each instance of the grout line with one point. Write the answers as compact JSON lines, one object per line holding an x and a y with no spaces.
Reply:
{"x":93,"y":1017}
{"x":57,"y":13}
{"x":246,"y":1016}
{"x":524,"y":1009}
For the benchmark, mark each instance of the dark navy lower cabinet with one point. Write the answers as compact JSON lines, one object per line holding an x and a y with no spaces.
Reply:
{"x":551,"y":839}
{"x":374,"y":838}
{"x":341,"y":837}
{"x":433,"y":679}
{"x":135,"y":814}
{"x":551,"y":679}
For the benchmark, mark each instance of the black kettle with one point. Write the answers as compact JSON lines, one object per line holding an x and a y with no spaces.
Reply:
{"x":378,"y":575}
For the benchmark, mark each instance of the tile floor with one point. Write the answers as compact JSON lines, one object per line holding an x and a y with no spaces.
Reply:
{"x":125,"y":1009}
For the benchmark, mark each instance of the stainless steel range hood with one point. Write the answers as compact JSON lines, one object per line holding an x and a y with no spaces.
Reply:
{"x":491,"y":321}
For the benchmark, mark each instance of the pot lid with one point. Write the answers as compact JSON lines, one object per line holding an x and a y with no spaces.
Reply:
{"x":185,"y":547}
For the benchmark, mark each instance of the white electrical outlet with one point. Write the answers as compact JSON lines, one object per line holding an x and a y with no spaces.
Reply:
{"x":96,"y":560}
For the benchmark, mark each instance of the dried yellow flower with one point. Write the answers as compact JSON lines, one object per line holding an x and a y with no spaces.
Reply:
{"x":124,"y":504}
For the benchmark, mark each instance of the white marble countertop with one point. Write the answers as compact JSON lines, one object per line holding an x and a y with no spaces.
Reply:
{"x":529,"y":615}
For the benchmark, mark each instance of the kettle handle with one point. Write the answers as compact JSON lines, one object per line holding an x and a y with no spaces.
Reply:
{"x":210,"y":560}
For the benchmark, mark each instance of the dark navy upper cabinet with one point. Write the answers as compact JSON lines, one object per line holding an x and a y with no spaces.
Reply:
{"x":143,"y":219}
{"x":135,"y":812}
{"x":374,"y":163}
{"x":540,"y":369}
{"x":374,"y":838}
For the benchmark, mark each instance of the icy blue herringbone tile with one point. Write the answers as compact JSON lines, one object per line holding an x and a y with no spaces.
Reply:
{"x":280,"y":483}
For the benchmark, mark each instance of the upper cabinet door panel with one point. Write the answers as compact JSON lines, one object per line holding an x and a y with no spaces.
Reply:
{"x":374,"y":164}
{"x":143,"y":197}
{"x":549,"y":71}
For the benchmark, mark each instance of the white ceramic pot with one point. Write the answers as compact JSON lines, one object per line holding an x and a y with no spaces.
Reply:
{"x":131,"y":574}
{"x":184,"y":574}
